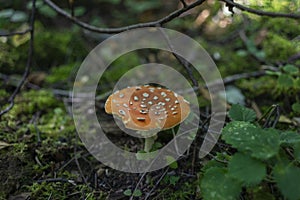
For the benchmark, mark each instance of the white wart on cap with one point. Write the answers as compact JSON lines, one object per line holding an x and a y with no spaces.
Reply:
{"x":147,"y":107}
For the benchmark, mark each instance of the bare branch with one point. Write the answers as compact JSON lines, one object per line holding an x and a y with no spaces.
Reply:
{"x":28,"y":64}
{"x":260,"y":12}
{"x":3,"y":34}
{"x":183,"y":3}
{"x":182,"y":61}
{"x":89,"y":27}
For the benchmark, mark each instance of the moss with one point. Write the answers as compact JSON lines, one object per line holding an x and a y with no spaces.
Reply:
{"x":278,"y":48}
{"x":122,"y":65}
{"x":61,"y":74}
{"x":60,"y":190}
{"x":56,"y":124}
{"x":258,"y":86}
{"x":15,"y":170}
{"x":275,"y":24}
{"x":33,"y":101}
{"x":234,"y":63}
{"x":11,"y":58}
{"x":3,"y":95}
{"x":52,"y":121}
{"x":61,"y":47}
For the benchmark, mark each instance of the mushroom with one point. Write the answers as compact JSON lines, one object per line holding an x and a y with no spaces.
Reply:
{"x":148,"y":109}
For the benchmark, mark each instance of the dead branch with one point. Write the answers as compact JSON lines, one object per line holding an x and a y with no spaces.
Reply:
{"x":28,"y":64}
{"x":8,"y":34}
{"x":261,"y":12}
{"x":156,"y":23}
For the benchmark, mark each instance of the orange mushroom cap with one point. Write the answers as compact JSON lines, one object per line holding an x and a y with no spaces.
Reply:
{"x":147,"y":107}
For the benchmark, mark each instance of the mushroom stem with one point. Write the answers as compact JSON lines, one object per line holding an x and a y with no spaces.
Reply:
{"x":149,"y":141}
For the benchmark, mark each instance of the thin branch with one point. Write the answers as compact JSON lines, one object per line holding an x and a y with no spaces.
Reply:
{"x":52,"y":180}
{"x":89,"y":27}
{"x":28,"y":64}
{"x":261,"y":12}
{"x":182,"y":61}
{"x":183,"y":3}
{"x":157,"y":183}
{"x":230,"y":79}
{"x":78,"y":165}
{"x":293,"y":58}
{"x":4,"y":34}
{"x":163,"y":20}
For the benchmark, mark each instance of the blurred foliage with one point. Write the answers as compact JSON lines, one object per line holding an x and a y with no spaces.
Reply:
{"x":278,"y":48}
{"x":38,"y":137}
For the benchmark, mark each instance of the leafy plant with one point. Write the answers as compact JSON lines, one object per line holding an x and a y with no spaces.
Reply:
{"x":259,"y":159}
{"x":135,"y":193}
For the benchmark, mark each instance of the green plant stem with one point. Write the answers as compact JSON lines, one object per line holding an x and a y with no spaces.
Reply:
{"x":149,"y":141}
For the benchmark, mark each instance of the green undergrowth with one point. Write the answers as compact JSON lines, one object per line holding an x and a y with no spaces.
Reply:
{"x":34,"y":135}
{"x":264,"y":161}
{"x":51,"y":48}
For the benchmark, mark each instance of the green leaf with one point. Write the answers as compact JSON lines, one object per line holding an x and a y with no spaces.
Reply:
{"x":287,"y":177}
{"x":240,"y":113}
{"x":249,"y":171}
{"x":217,"y":185}
{"x":79,"y":11}
{"x":291,"y":69}
{"x":137,"y":193}
{"x":234,"y":95}
{"x":18,"y":16}
{"x":285,"y":81}
{"x":6,"y":13}
{"x":38,"y":4}
{"x":289,"y":137}
{"x":297,"y":83}
{"x":142,"y":155}
{"x":296,"y":107}
{"x":260,"y":143}
{"x":215,"y":163}
{"x":47,"y":11}
{"x":127,"y":192}
{"x":171,"y":162}
{"x":173,"y":180}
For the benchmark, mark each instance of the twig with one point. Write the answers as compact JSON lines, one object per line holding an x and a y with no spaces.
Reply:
{"x":183,"y":62}
{"x":293,"y":58}
{"x":272,"y":123}
{"x":51,"y":180}
{"x":78,"y":165}
{"x":28,"y":64}
{"x":38,"y":133}
{"x":274,"y":109}
{"x":260,"y":12}
{"x":157,"y":183}
{"x":245,"y":40}
{"x":50,"y":196}
{"x":183,"y":3}
{"x":15,"y":81}
{"x":230,"y":79}
{"x":215,"y":158}
{"x":15,"y":33}
{"x":138,"y":183}
{"x":89,"y":27}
